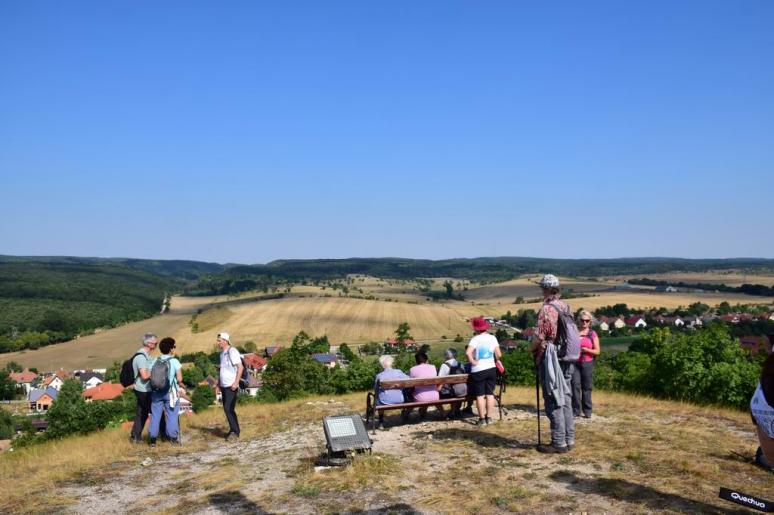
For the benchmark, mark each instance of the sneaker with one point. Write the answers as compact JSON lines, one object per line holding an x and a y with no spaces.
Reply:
{"x":381,"y":427}
{"x":175,"y":442}
{"x":152,"y":442}
{"x":570,"y":446}
{"x":232,"y":437}
{"x":587,"y":415}
{"x":489,"y":421}
{"x":481,"y":422}
{"x":135,"y":441}
{"x":552,"y":449}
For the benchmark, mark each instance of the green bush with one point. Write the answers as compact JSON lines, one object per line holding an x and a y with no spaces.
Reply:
{"x":202,"y":398}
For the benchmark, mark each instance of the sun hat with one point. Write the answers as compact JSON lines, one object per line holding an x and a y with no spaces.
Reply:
{"x":224,"y":336}
{"x":549,"y":281}
{"x":479,"y":324}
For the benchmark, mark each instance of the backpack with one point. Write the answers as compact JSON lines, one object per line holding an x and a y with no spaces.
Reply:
{"x":126,"y":377}
{"x":567,"y":338}
{"x":159,"y":375}
{"x":244,"y":380}
{"x":459,"y":390}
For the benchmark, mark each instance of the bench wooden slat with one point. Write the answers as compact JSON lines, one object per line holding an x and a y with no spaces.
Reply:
{"x":419,"y":404}
{"x":395,"y":384}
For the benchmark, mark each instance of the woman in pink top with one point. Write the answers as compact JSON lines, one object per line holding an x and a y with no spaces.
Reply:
{"x":422,"y":370}
{"x":583,"y":376}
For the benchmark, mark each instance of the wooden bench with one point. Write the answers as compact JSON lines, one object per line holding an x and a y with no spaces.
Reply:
{"x":372,"y":408}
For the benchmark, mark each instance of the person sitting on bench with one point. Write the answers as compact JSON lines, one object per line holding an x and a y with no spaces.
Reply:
{"x":423,"y":370}
{"x":451,"y":367}
{"x":388,"y":396}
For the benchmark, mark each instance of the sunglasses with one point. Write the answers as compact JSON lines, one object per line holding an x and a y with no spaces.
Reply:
{"x":585,"y":320}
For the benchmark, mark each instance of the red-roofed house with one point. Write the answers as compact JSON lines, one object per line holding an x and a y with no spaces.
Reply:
{"x":636,"y":321}
{"x":103,"y":392}
{"x":53,"y":381}
{"x":254,"y":361}
{"x":24,"y":379}
{"x":392,"y":343}
{"x":528,"y":333}
{"x":755,"y":344}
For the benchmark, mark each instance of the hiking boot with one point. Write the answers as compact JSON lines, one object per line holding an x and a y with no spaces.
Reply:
{"x":381,"y":427}
{"x":570,"y":446}
{"x":152,"y":442}
{"x":232,"y":437}
{"x":135,"y":441}
{"x":175,"y":442}
{"x":587,"y":415}
{"x":552,"y":449}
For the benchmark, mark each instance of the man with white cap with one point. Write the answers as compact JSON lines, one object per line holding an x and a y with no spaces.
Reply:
{"x":558,"y":400}
{"x":230,"y":371}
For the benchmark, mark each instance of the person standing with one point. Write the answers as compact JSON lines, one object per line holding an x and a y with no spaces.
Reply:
{"x":481,"y":352}
{"x":165,"y":403}
{"x":583,"y":376}
{"x":555,"y":373}
{"x":141,"y":367}
{"x":230,"y":371}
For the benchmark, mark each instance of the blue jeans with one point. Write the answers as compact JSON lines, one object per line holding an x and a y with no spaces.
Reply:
{"x":159,"y":407}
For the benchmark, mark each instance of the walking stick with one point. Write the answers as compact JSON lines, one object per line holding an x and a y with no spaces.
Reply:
{"x":537,"y":397}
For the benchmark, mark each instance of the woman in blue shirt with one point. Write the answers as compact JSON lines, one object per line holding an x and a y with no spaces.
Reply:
{"x":167,"y":401}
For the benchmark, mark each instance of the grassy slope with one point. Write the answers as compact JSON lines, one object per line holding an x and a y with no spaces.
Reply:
{"x":636,"y":455}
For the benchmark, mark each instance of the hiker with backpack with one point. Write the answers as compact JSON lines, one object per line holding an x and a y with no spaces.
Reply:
{"x":762,"y":412}
{"x":556,"y":347}
{"x":166,"y":384}
{"x":583,"y":376}
{"x":136,"y":371}
{"x":231,"y":369}
{"x":482,"y":352}
{"x":452,"y":367}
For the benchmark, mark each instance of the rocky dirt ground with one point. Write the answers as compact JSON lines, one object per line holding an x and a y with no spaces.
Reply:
{"x":436,"y":466}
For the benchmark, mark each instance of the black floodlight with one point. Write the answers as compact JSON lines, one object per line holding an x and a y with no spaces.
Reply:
{"x":345,"y":433}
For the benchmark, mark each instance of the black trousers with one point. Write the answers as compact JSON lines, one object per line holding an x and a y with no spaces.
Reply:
{"x":141,"y":413}
{"x":229,"y":407}
{"x":582,"y":384}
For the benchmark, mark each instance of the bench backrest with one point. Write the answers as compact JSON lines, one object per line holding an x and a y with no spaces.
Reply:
{"x":394,"y":384}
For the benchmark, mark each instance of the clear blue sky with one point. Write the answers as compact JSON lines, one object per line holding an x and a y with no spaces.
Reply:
{"x":251,"y":131}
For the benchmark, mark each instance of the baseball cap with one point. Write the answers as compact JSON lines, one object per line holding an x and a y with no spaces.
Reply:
{"x":224,"y":336}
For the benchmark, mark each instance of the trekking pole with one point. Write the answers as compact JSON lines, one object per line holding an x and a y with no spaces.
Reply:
{"x":537,"y":397}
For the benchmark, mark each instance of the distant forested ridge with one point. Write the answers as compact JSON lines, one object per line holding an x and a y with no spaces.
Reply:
{"x":749,"y":289}
{"x":47,"y":300}
{"x":240,"y":278}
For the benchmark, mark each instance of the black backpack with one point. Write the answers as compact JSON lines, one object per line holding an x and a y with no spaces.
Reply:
{"x":126,"y":377}
{"x":244,"y":380}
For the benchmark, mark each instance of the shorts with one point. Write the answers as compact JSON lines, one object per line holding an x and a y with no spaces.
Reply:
{"x":483,"y":382}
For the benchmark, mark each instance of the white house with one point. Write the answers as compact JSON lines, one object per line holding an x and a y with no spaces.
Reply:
{"x":619,"y":323}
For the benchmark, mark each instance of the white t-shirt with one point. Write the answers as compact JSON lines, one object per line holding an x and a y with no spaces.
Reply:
{"x":483,"y":346}
{"x":229,"y":361}
{"x":762,"y":412}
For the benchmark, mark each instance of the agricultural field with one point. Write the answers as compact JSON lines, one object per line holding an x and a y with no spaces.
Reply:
{"x":372,"y":311}
{"x":729,"y":278}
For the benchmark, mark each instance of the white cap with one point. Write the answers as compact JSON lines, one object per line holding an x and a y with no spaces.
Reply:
{"x":549,"y":281}
{"x":224,"y":336}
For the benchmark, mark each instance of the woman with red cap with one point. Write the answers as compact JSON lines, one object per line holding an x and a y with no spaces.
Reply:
{"x":482,"y":351}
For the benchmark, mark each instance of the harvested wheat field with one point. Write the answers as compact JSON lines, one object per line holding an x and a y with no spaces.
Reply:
{"x":636,"y":455}
{"x":342,"y":319}
{"x":729,"y":278}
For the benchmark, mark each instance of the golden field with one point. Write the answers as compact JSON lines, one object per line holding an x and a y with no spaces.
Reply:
{"x":371,"y":312}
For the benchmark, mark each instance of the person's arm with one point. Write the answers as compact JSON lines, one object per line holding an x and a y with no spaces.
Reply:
{"x":144,"y":372}
{"x":469,"y":353}
{"x":595,"y":349}
{"x":179,"y":377}
{"x":497,"y":352}
{"x":240,"y":368}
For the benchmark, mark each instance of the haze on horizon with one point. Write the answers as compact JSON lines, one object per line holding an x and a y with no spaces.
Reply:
{"x":251,"y":132}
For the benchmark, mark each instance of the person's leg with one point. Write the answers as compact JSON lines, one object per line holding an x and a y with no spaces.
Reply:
{"x":172,"y":414}
{"x":490,"y":406}
{"x":157,"y":408}
{"x":229,"y":406}
{"x":481,"y":406}
{"x":140,"y":414}
{"x":587,"y":384}
{"x":569,"y":421}
{"x":555,"y":417}
{"x":576,"y":392}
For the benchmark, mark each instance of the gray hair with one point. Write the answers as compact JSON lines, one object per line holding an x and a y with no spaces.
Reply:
{"x":386,"y":361}
{"x":149,"y":337}
{"x":450,"y":353}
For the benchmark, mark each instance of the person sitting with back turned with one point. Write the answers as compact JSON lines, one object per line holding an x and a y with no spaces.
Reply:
{"x":387,"y":397}
{"x":422,"y":370}
{"x":451,"y":367}
{"x":762,"y":411}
